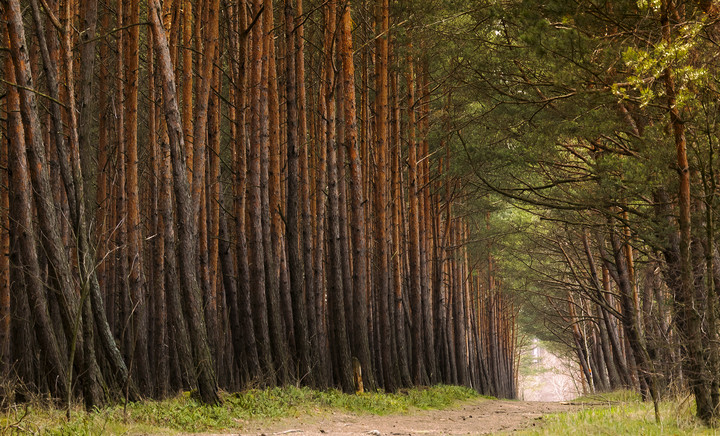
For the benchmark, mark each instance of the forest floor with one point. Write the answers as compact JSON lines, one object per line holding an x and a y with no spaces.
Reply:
{"x":475,"y":417}
{"x":546,"y":380}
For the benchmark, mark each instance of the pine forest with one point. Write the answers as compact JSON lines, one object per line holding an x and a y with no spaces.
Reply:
{"x":213,"y":195}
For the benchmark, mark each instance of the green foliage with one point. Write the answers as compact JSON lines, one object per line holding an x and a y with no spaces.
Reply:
{"x":560,"y":109}
{"x":186,"y":414}
{"x":624,"y":414}
{"x":650,"y":65}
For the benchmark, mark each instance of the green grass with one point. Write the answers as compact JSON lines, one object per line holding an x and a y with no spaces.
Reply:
{"x":237,"y":411}
{"x":623,"y":413}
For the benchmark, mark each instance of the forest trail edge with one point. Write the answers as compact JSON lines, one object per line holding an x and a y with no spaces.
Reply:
{"x":475,"y":417}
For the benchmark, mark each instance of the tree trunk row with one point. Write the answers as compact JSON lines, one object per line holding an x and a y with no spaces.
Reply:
{"x":237,"y":207}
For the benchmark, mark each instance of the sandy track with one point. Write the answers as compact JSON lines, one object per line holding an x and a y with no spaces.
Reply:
{"x":472,"y":418}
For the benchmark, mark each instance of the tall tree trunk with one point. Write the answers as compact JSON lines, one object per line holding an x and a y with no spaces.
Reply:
{"x":306,"y":200}
{"x":320,"y":213}
{"x":425,"y":225}
{"x":458,"y":309}
{"x":418,"y":346}
{"x":255,"y":224}
{"x":186,"y":221}
{"x":398,"y":253}
{"x":345,"y":259}
{"x":339,"y":345}
{"x":365,"y":137}
{"x":361,"y":342}
{"x":293,"y":235}
{"x":274,"y":189}
{"x":244,"y":303}
{"x":160,"y":322}
{"x":200,"y":125}
{"x":270,"y":191}
{"x":102,"y":197}
{"x":380,"y":189}
{"x":119,"y":297}
{"x":441,"y":338}
{"x":136,"y":276}
{"x":213,"y":305}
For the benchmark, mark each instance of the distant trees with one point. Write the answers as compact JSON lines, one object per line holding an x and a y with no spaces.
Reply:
{"x":199,"y":195}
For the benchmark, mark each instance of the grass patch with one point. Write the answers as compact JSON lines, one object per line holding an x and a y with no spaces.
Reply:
{"x":623,"y":413}
{"x":621,"y":396}
{"x":237,"y":411}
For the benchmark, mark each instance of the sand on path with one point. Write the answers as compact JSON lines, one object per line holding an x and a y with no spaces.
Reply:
{"x":475,"y":417}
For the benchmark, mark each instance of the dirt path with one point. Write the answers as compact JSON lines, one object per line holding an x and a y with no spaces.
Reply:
{"x":472,"y":418}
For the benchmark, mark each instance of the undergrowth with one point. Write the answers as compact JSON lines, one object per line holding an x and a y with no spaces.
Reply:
{"x":238,"y":410}
{"x":623,"y":413}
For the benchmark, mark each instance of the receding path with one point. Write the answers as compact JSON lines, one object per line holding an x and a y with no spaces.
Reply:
{"x":472,"y":418}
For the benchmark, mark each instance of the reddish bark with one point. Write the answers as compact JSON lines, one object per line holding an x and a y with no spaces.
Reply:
{"x":361,"y":342}
{"x":269,"y":166}
{"x":293,"y":235}
{"x":136,"y":277}
{"x":255,"y":223}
